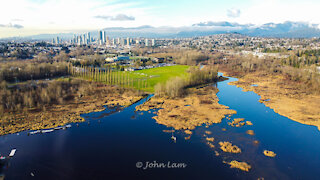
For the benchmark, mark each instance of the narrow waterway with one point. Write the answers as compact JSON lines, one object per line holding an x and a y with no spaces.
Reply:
{"x":110,"y":144}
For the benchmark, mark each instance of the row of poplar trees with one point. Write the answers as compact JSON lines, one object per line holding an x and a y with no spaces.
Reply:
{"x":108,"y":76}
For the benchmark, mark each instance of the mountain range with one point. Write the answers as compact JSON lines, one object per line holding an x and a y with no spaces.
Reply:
{"x":287,"y":29}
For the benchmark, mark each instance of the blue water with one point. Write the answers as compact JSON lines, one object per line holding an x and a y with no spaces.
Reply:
{"x":110,"y":143}
{"x":297,"y":145}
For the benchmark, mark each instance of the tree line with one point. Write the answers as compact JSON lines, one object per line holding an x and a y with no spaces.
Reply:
{"x":23,"y":71}
{"x":41,"y":96}
{"x":306,"y":77}
{"x":22,"y":98}
{"x":302,"y":58}
{"x":108,"y":76}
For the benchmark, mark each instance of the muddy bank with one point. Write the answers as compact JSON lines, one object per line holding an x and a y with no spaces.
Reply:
{"x":283,"y":97}
{"x":200,"y":106}
{"x":59,"y":115}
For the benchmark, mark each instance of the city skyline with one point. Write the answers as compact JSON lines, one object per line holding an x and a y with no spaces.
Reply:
{"x":101,"y":40}
{"x":31,"y":17}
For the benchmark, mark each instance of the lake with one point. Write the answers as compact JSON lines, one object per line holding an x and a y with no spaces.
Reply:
{"x":111,"y":143}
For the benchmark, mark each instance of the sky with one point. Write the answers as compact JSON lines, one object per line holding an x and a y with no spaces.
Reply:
{"x":31,"y":17}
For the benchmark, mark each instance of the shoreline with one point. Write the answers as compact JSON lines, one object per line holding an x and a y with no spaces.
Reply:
{"x":60,"y":115}
{"x":284,"y":99}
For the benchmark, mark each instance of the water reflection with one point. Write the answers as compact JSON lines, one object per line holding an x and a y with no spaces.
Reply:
{"x":114,"y":142}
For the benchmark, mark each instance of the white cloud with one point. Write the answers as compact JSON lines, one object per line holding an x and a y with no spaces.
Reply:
{"x":233,"y":13}
{"x":119,"y":17}
{"x":10,"y":25}
{"x":16,"y":20}
{"x":41,"y":16}
{"x":71,"y":15}
{"x":278,"y":11}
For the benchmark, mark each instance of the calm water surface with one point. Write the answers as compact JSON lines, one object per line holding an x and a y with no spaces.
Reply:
{"x":110,"y":143}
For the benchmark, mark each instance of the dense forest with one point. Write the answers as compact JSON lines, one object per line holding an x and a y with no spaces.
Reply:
{"x":23,"y":71}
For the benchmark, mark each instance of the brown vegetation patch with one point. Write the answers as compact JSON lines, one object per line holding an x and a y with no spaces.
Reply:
{"x":168,"y":131}
{"x":228,"y":147}
{"x":187,"y":112}
{"x":205,"y":102}
{"x":210,"y":145}
{"x":210,"y":139}
{"x":239,"y":165}
{"x":53,"y":115}
{"x":237,"y":122}
{"x":250,"y":132}
{"x":249,"y":123}
{"x":216,"y":153}
{"x":284,"y":97}
{"x":269,"y":153}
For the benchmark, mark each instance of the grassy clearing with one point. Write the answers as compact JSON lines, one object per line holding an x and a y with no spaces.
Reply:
{"x":158,"y":75}
{"x":142,"y":80}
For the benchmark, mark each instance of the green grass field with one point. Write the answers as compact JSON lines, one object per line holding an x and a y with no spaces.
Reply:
{"x":143,"y":80}
{"x":158,"y":75}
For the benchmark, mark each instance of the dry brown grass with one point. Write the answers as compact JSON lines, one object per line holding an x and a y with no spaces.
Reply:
{"x":210,"y":145}
{"x":237,"y":122}
{"x":187,"y":112}
{"x":269,"y":153}
{"x":59,"y":115}
{"x":239,"y":165}
{"x":284,"y":98}
{"x":228,"y":147}
{"x":250,"y":132}
{"x":249,"y":123}
{"x":210,"y":139}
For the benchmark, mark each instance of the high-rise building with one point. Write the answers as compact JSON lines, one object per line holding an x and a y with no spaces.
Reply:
{"x":100,"y":37}
{"x":113,"y":41}
{"x":107,"y":40}
{"x":122,"y":42}
{"x":146,"y":42}
{"x":103,"y":37}
{"x":88,"y":38}
{"x":84,"y":41}
{"x":57,"y":40}
{"x":128,"y":41}
{"x":74,"y":39}
{"x":153,"y":42}
{"x":79,"y":40}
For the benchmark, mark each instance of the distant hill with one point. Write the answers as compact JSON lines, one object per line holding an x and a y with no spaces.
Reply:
{"x":287,"y":29}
